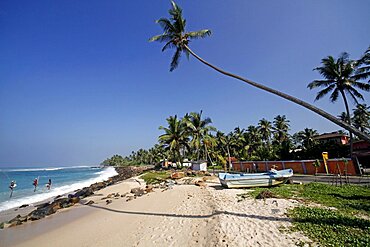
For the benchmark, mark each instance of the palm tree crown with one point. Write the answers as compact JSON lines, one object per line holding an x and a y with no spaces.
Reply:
{"x":339,"y":77}
{"x":175,"y":36}
{"x":281,"y":127}
{"x":175,"y":137}
{"x":306,"y":137}
{"x":198,"y":128}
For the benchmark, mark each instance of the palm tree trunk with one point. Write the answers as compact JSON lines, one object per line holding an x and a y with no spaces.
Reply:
{"x":288,"y":97}
{"x":229,"y":158}
{"x":349,"y":122}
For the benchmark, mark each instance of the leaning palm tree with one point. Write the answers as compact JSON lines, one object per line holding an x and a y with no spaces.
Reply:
{"x":175,"y":36}
{"x":339,"y":79}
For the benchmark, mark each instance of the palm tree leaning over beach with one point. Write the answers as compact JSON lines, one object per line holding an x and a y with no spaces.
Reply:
{"x":175,"y":36}
{"x":340,"y":78}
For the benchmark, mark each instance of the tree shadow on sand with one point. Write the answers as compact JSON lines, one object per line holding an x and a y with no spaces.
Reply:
{"x":192,"y":216}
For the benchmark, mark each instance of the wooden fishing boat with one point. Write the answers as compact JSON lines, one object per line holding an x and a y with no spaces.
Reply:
{"x":245,"y":180}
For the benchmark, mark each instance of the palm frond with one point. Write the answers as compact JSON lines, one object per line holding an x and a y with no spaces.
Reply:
{"x":319,"y":83}
{"x":355,"y":95}
{"x":187,"y":54}
{"x":168,"y":45}
{"x":166,"y":25}
{"x":199,"y":34}
{"x":361,"y":85}
{"x":175,"y":59}
{"x":334,"y":95}
{"x":160,"y":38}
{"x":362,"y":73}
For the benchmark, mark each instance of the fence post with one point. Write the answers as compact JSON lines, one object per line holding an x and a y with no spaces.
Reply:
{"x":304,"y":167}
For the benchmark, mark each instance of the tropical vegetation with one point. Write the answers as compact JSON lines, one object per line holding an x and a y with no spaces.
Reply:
{"x":341,"y":77}
{"x":193,"y":137}
{"x":175,"y":36}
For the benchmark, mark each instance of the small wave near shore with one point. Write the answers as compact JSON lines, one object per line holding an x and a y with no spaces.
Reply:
{"x":102,"y":175}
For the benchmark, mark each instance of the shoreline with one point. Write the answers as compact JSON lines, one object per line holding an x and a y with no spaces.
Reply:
{"x":208,"y":214}
{"x":26,"y":209}
{"x":34,"y":199}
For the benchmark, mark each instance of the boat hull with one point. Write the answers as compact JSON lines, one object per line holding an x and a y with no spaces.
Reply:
{"x":255,"y":180}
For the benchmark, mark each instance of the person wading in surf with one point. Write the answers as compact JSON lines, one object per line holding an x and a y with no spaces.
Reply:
{"x":35,"y":183}
{"x":48,"y":185}
{"x":11,"y":187}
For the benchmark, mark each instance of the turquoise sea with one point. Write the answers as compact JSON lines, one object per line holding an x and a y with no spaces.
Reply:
{"x":64,"y":180}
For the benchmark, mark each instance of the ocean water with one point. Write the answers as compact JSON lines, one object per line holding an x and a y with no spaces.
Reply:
{"x":64,"y":180}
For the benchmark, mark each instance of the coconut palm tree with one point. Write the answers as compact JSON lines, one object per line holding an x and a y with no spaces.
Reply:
{"x":198,"y":129}
{"x":175,"y":139}
{"x":281,"y":127}
{"x":227,"y":141}
{"x":265,"y":127}
{"x":254,"y":137}
{"x":361,"y":117}
{"x":343,"y":116}
{"x":363,"y":64}
{"x":175,"y":36}
{"x":306,"y":138}
{"x":339,"y":79}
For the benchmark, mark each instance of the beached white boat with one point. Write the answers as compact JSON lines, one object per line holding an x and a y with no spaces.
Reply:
{"x":246,"y":180}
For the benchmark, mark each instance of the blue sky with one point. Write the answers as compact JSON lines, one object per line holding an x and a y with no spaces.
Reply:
{"x":79,"y":80}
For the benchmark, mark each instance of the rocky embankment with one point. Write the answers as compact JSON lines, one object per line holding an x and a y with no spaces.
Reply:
{"x":60,"y":202}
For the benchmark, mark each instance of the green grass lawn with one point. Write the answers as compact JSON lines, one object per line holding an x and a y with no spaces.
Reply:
{"x":155,"y":177}
{"x":345,"y":223}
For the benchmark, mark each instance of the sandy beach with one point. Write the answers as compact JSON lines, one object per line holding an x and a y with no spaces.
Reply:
{"x":186,"y":215}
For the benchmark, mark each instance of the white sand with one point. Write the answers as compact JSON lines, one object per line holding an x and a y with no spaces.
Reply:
{"x":186,"y":215}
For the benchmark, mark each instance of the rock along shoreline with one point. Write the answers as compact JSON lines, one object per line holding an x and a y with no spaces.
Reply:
{"x":60,"y":202}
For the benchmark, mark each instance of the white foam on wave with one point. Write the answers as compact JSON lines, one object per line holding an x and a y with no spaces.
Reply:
{"x":55,"y":191}
{"x":42,"y":169}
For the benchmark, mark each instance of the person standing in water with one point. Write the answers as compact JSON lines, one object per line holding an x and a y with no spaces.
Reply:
{"x":48,"y":185}
{"x":35,"y":183}
{"x":11,"y":187}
